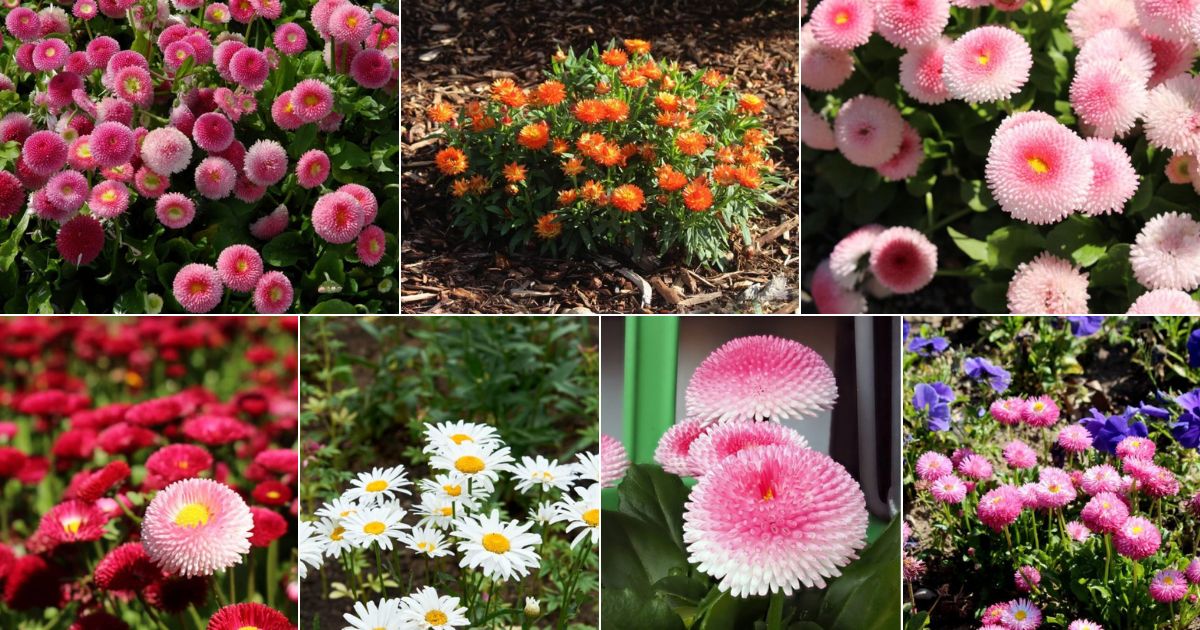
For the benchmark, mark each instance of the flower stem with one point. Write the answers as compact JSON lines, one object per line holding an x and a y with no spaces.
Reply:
{"x":272,"y":566}
{"x":379,"y":567}
{"x":775,"y":612}
{"x":1107,"y":555}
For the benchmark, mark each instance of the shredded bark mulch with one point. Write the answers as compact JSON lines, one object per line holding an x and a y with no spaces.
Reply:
{"x":454,"y":50}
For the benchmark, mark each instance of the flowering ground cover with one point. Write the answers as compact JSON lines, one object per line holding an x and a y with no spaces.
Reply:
{"x":600,"y":167}
{"x":148,"y":471}
{"x":1050,"y":475}
{"x":412,"y":521}
{"x":198,"y":156}
{"x":1000,"y":156}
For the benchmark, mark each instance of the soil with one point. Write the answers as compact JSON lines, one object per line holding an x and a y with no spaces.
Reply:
{"x":453,"y":50}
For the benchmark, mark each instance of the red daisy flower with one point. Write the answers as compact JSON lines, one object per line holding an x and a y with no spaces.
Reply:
{"x":272,"y":492}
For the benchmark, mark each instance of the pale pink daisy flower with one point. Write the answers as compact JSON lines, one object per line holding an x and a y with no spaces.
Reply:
{"x":266,"y":162}
{"x":1104,"y":513}
{"x":174,"y":210}
{"x":337,"y":217}
{"x":921,"y":71}
{"x":1101,"y":478}
{"x":313,"y":168}
{"x":831,"y":297}
{"x":989,"y":63}
{"x":197,"y":527}
{"x":1040,"y":412}
{"x":1007,"y":411}
{"x":1164,"y":302}
{"x":932,"y":466}
{"x":903,"y":259}
{"x":1039,"y":172}
{"x":1179,"y":167}
{"x":1137,"y":538}
{"x":240,"y":267}
{"x":1171,"y":57}
{"x":843,"y":24}
{"x":1048,"y":285}
{"x":273,"y":293}
{"x":672,"y":452}
{"x":868,"y":130}
{"x":909,"y":23}
{"x":1136,"y":447}
{"x":815,"y":131}
{"x":1167,"y":19}
{"x":197,"y":288}
{"x":166,"y":150}
{"x":1114,"y":181}
{"x":846,"y":259}
{"x":1166,"y":253}
{"x":366,"y":200}
{"x":614,"y":461}
{"x":759,"y":377}
{"x":1125,"y":46}
{"x":908,"y":157}
{"x":975,"y":467}
{"x":822,"y":68}
{"x":1022,"y":118}
{"x":1107,"y":98}
{"x":215,"y":177}
{"x":774,"y":518}
{"x":1088,"y":17}
{"x":1019,"y":455}
{"x":109,"y":199}
{"x":1074,"y":438}
{"x":948,"y":489}
{"x":1079,"y":533}
{"x":1168,"y":586}
{"x":728,"y":439}
{"x":1172,"y":115}
{"x":999,"y":508}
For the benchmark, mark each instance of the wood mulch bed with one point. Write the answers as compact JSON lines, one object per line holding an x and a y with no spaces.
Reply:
{"x":454,"y":50}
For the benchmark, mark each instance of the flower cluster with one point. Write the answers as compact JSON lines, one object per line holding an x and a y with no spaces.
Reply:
{"x":614,"y":148}
{"x":880,"y":261}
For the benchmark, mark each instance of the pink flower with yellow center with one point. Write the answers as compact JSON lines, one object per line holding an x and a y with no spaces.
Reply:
{"x":197,"y":527}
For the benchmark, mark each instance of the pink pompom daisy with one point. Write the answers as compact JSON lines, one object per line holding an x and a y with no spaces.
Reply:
{"x":1114,"y":181}
{"x":903,"y":259}
{"x":1079,"y":533}
{"x":1193,"y":571}
{"x":988,"y":63}
{"x":1026,"y":578}
{"x":1019,"y":456}
{"x":1105,"y":513}
{"x":23,"y":23}
{"x":1054,"y":491}
{"x":910,"y":23}
{"x":80,"y":240}
{"x":868,"y":130}
{"x":371,"y":68}
{"x":908,"y":157}
{"x":1074,"y":438}
{"x":1039,"y":171}
{"x":1007,"y":411}
{"x":831,"y":297}
{"x":1101,"y":478}
{"x":12,"y":195}
{"x":273,"y":294}
{"x":921,"y":71}
{"x":149,"y":184}
{"x":975,"y":467}
{"x":50,"y":54}
{"x":1135,"y":447}
{"x":1125,"y":46}
{"x":266,"y":162}
{"x":71,"y":522}
{"x":1086,"y":18}
{"x":999,"y":508}
{"x":1164,"y":302}
{"x":614,"y":461}
{"x":1107,"y":98}
{"x":134,"y":84}
{"x":197,"y":288}
{"x":1171,"y":56}
{"x":932,"y":466}
{"x":674,"y":447}
{"x":365,"y":198}
{"x":312,"y":100}
{"x":1048,"y":284}
{"x":1166,"y":253}
{"x":109,"y":199}
{"x":1172,"y":115}
{"x":842,"y":24}
{"x":111,"y":143}
{"x":215,"y":177}
{"x":350,"y":23}
{"x":758,"y":377}
{"x":773,"y":518}
{"x":371,"y":245}
{"x":67,"y":190}
{"x":822,"y":68}
{"x":728,"y":439}
{"x":845,"y":261}
{"x":312,"y":168}
{"x":1168,"y":586}
{"x":268,"y":227}
{"x":1167,"y":19}
{"x":1022,"y":614}
{"x":249,"y":68}
{"x":290,"y":38}
{"x":175,"y":210}
{"x":196,"y":527}
{"x":44,"y":152}
{"x":212,"y":132}
{"x":948,"y":489}
{"x":337,"y":217}
{"x":1137,"y":538}
{"x":166,"y":150}
{"x":1040,"y":412}
{"x":815,"y":131}
{"x":240,"y":266}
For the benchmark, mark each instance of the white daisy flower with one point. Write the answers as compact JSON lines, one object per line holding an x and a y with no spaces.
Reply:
{"x":333,"y":536}
{"x":338,"y":508}
{"x":311,"y":549}
{"x":473,"y":461}
{"x":543,"y":473}
{"x":543,"y":514}
{"x":426,"y":609}
{"x":436,"y":511}
{"x":501,"y":550}
{"x":427,"y":541}
{"x":587,"y":466}
{"x":384,"y":615}
{"x":583,"y":512}
{"x":378,"y":485}
{"x":379,"y":524}
{"x":453,"y":486}
{"x":439,"y":437}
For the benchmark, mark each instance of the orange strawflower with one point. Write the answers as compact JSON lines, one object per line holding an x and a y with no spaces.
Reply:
{"x":615,"y":110}
{"x":691,"y":143}
{"x":668,"y":119}
{"x":548,"y":226}
{"x":697,"y":196}
{"x":603,"y":88}
{"x":588,"y":143}
{"x":637,"y":46}
{"x":559,"y":146}
{"x":507,"y":92}
{"x":572,"y":167}
{"x":441,"y":113}
{"x":461,"y":187}
{"x":666,"y":101}
{"x":725,"y":174}
{"x":627,"y":198}
{"x":748,"y":176}
{"x":534,"y":135}
{"x":614,"y":57}
{"x":567,"y":197}
{"x":559,"y":56}
{"x":670,"y":179}
{"x":632,"y":78}
{"x":514,"y":173}
{"x":592,"y":191}
{"x":608,"y":154}
{"x":754,"y":137}
{"x":751,"y":104}
{"x":712,"y":78}
{"x":749,"y":157}
{"x":727,"y":155}
{"x":480,"y":121}
{"x":651,"y":71}
{"x":451,"y":161}
{"x":590,"y":111}
{"x":551,"y":93}
{"x":667,"y":83}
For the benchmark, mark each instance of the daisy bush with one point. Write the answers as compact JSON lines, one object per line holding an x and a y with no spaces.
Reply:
{"x":1037,"y":155}
{"x":614,"y":149}
{"x":772,"y":533}
{"x":148,"y":472}
{"x":198,"y":156}
{"x":1049,"y":473}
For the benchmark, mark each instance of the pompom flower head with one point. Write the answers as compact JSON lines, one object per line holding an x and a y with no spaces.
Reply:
{"x":1048,"y":284}
{"x":673,"y":452}
{"x":989,"y":63}
{"x":921,"y":71}
{"x":771,"y":519}
{"x":823,"y":68}
{"x":1168,"y":586}
{"x":725,"y":440}
{"x":1107,"y":97}
{"x":909,"y":23}
{"x":868,"y":130}
{"x":197,"y":527}
{"x":752,"y":378}
{"x":1039,"y":171}
{"x":1114,"y":181}
{"x":903,"y":259}
{"x":1172,"y":115}
{"x":843,"y":24}
{"x":613,"y":461}
{"x":1164,"y":302}
{"x":1137,"y":538}
{"x":1166,"y":254}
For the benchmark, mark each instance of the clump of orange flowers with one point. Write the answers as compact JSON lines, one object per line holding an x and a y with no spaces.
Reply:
{"x":614,"y":149}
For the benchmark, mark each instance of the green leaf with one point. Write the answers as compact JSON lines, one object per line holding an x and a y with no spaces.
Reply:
{"x":1080,"y":234}
{"x":626,"y":609}
{"x":1014,"y":244}
{"x":333,"y":307}
{"x":284,"y":250}
{"x":976,"y":249}
{"x":348,"y":155}
{"x":10,"y":247}
{"x":1112,"y":269}
{"x":683,"y":588}
{"x":649,"y":494}
{"x":867,"y":594}
{"x":636,"y":554}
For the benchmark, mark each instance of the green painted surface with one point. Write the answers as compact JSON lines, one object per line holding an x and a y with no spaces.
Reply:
{"x":651,"y":363}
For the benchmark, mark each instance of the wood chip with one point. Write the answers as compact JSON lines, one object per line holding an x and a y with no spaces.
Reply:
{"x":699,"y":299}
{"x":669,"y":294}
{"x":417,"y":297}
{"x":430,"y":56}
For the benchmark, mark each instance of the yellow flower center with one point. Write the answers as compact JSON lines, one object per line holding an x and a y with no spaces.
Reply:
{"x":378,"y":485}
{"x":219,"y":14}
{"x":435,"y":618}
{"x":983,"y":59}
{"x":1039,"y":166}
{"x":248,"y":628}
{"x":84,"y":151}
{"x":337,"y":532}
{"x":351,"y":21}
{"x":71,"y":525}
{"x":193,"y":515}
{"x":452,"y":490}
{"x":374,"y":528}
{"x":132,"y":84}
{"x":1038,"y":406}
{"x":592,"y":517}
{"x":272,"y":494}
{"x":469,"y":464}
{"x":276,"y":294}
{"x":1135,"y":530}
{"x":1020,"y":615}
{"x":1168,"y":580}
{"x":841,"y":18}
{"x":108,"y":195}
{"x":197,"y":288}
{"x":315,"y":169}
{"x":426,"y":546}
{"x":496,"y":543}
{"x":769,"y":494}
{"x":459,"y":438}
{"x":50,"y":52}
{"x":241,"y":266}
{"x":311,"y":100}
{"x":447,"y":511}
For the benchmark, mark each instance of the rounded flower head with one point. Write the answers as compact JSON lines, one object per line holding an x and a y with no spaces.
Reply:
{"x":1137,"y":538}
{"x":349,"y":23}
{"x":175,"y":462}
{"x":72,"y":521}
{"x":903,"y":259}
{"x":197,"y":527}
{"x":1165,"y":18}
{"x":166,"y":150}
{"x":613,"y":461}
{"x":66,"y":191}
{"x":1171,"y":56}
{"x":1107,"y":97}
{"x":1007,"y":411}
{"x":1021,"y":614}
{"x":312,"y":100}
{"x":1086,"y":18}
{"x":109,"y":199}
{"x":1166,"y":254}
{"x":1105,"y":513}
{"x":312,"y":169}
{"x":842,"y":24}
{"x":80,"y":240}
{"x":1172,"y":114}
{"x":44,"y":153}
{"x":1000,"y":507}
{"x":1168,"y":586}
{"x":868,"y":130}
{"x":1114,"y":181}
{"x":932,"y":466}
{"x":266,"y":162}
{"x":1026,"y":578}
{"x":240,"y":267}
{"x":921,"y":71}
{"x":126,"y":568}
{"x":989,"y":63}
{"x":673,"y":452}
{"x":831,"y":297}
{"x":908,"y":157}
{"x":215,"y":177}
{"x":822,"y":68}
{"x":758,"y":377}
{"x":273,"y":293}
{"x":377,"y":524}
{"x":1039,"y":171}
{"x":1164,"y":302}
{"x":773,"y":518}
{"x":248,"y":615}
{"x":50,"y":54}
{"x":1019,"y":455}
{"x":337,"y":217}
{"x":1048,"y":284}
{"x":174,"y":210}
{"x":1040,"y":412}
{"x":948,"y":489}
{"x":371,"y":245}
{"x":213,"y":132}
{"x":1135,"y":447}
{"x":249,"y":68}
{"x":1074,"y":438}
{"x":290,"y":38}
{"x":111,"y":143}
{"x":1101,"y":478}
{"x":1078,"y":531}
{"x":910,"y":23}
{"x":976,"y":467}
{"x":500,"y":550}
{"x":728,"y":439}
{"x":198,"y":288}
{"x":846,"y":256}
{"x":1193,"y":571}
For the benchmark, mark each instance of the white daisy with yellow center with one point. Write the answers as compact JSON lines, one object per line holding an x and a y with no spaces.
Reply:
{"x":543,"y":474}
{"x":378,"y":485}
{"x":473,"y":461}
{"x":441,"y":436}
{"x":427,"y":541}
{"x":436,"y":511}
{"x":376,"y":524}
{"x":381,"y":615}
{"x":587,"y":466}
{"x":543,"y":514}
{"x":425,"y":610}
{"x":452,"y":486}
{"x":502,"y":550}
{"x":582,"y":513}
{"x":333,"y":535}
{"x":312,"y":548}
{"x":338,"y":508}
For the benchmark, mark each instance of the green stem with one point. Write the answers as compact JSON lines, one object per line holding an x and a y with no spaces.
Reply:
{"x":1107,"y":555}
{"x":379,"y":567}
{"x":272,"y":566}
{"x":948,"y":220}
{"x":775,"y":612}
{"x":232,"y":589}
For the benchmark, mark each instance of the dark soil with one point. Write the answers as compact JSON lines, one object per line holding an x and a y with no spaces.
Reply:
{"x":455,"y":49}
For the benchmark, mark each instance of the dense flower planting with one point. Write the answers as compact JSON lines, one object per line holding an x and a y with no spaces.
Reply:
{"x":197,"y":156}
{"x":148,"y":473}
{"x":615,"y":149}
{"x":1053,"y":487}
{"x":1044,"y":151}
